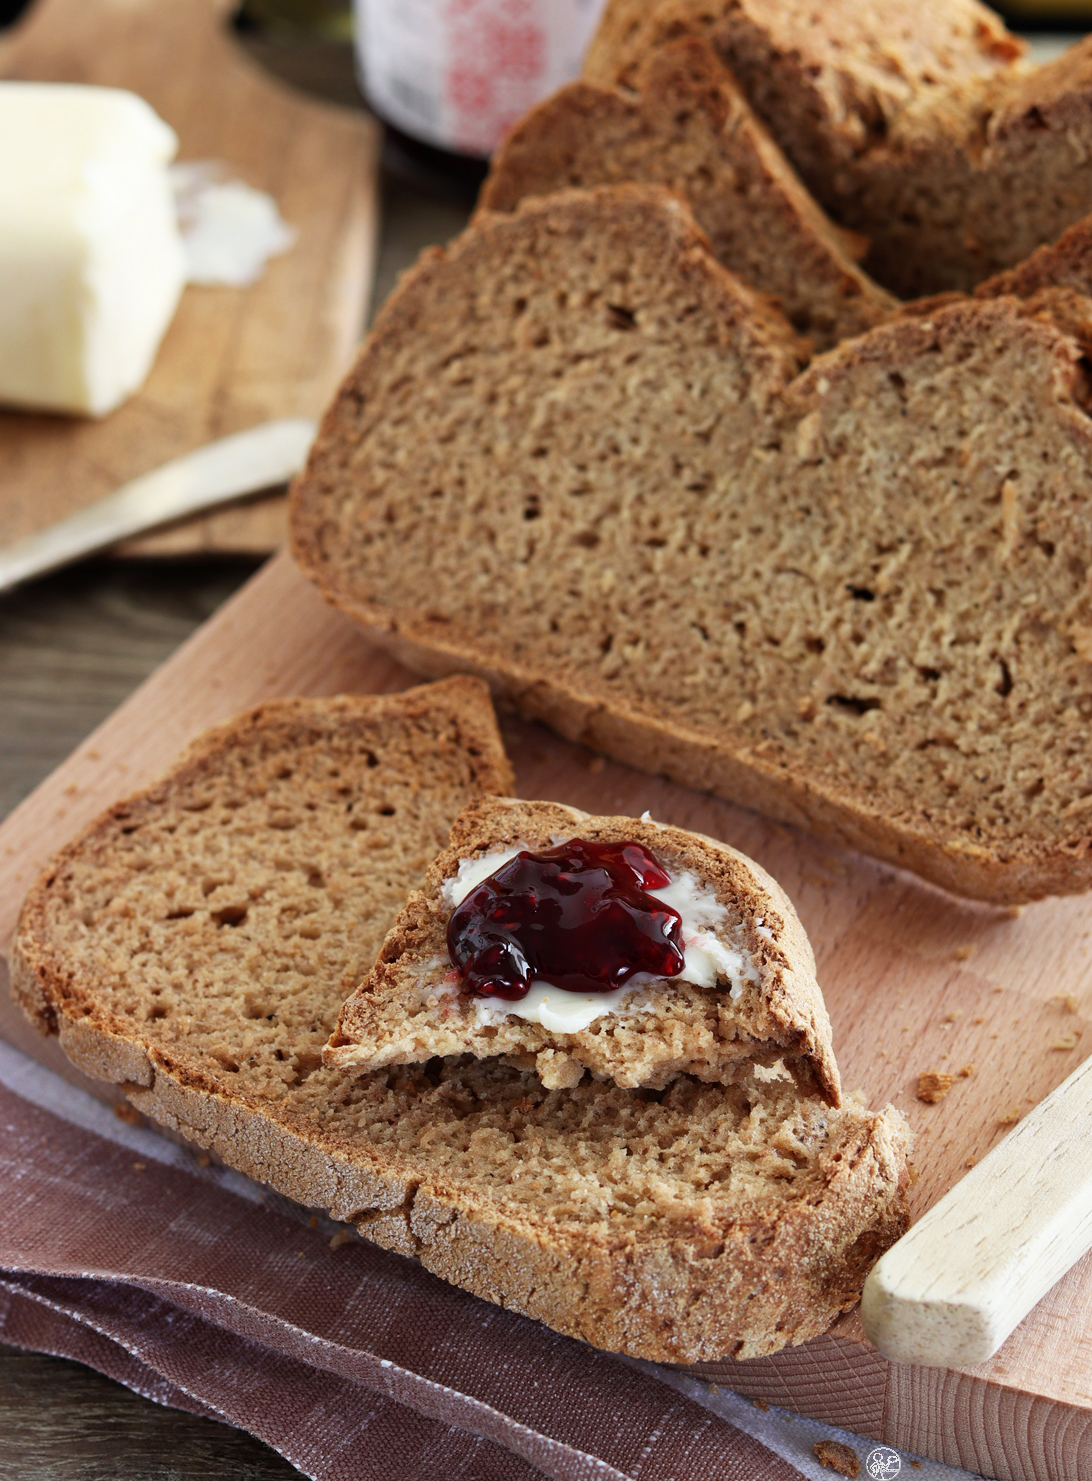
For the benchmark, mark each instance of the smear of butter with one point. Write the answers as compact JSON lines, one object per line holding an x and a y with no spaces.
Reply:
{"x":229,"y":230}
{"x":707,"y":955}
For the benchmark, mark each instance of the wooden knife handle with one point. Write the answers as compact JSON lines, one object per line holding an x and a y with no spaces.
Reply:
{"x":954,"y":1287}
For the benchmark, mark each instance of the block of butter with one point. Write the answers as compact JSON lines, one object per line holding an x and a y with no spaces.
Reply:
{"x":91,"y":261}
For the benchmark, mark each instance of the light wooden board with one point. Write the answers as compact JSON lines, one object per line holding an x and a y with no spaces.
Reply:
{"x":233,"y":357}
{"x":914,"y":979}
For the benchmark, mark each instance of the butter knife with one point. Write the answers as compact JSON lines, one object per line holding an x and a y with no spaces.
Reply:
{"x":243,"y":463}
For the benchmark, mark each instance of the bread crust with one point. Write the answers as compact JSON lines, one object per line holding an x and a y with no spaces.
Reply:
{"x":701,"y":1286}
{"x":787,"y":1010}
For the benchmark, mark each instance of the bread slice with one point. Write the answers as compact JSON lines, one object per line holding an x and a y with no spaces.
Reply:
{"x":575,"y":457}
{"x":196,"y":944}
{"x":763,"y":1006}
{"x":972,"y":181}
{"x":827,"y":82}
{"x":916,"y":126}
{"x":689,"y":127}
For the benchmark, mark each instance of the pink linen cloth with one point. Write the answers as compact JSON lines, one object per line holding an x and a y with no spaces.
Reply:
{"x":351,"y":1362}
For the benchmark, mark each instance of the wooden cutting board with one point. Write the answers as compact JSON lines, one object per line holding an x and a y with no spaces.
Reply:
{"x":233,"y":357}
{"x":915,"y":980}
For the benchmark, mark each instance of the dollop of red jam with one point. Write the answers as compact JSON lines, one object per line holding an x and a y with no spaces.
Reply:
{"x":577,"y":916}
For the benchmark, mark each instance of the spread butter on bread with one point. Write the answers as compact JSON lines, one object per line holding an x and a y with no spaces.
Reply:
{"x":754,"y":1000}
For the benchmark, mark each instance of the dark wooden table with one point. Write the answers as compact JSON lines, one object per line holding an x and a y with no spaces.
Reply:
{"x":72,"y":647}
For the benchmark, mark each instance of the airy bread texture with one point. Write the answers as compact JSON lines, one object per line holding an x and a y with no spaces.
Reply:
{"x":409,"y":1009}
{"x":689,"y":127}
{"x":916,"y":125}
{"x":576,"y":457}
{"x":196,"y":944}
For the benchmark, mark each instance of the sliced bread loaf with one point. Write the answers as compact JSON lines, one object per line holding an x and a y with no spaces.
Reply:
{"x":747,"y":995}
{"x":829,"y":81}
{"x":574,"y":456}
{"x":689,"y":127}
{"x":196,"y":944}
{"x":971,"y":181}
{"x":913,"y":125}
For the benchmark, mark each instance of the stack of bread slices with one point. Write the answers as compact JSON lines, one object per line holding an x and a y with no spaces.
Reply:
{"x":704,"y":1191}
{"x":656,"y":450}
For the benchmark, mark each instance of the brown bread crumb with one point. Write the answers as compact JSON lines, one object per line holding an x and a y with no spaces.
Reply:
{"x":934,"y":1085}
{"x":833,"y":1456}
{"x":129,"y":1114}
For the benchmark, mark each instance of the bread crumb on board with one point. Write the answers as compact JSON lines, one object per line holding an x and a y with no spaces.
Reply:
{"x":1010,"y":1117}
{"x":1067,"y":1041}
{"x":966,"y":1072}
{"x":934,"y":1085}
{"x":833,"y":1456}
{"x":964,"y":953}
{"x":1067,"y":1001}
{"x":761,"y":1404}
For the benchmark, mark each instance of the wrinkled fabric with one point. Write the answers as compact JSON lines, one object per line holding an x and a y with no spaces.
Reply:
{"x":199,"y":1290}
{"x":352,"y":1362}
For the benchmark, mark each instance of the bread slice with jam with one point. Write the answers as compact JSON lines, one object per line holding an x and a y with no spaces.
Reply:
{"x":195,"y":946}
{"x":742,"y":990}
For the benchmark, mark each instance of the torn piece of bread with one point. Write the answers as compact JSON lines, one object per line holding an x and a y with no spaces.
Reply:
{"x":576,"y":458}
{"x":688,"y":126}
{"x":747,"y":995}
{"x":194,"y":947}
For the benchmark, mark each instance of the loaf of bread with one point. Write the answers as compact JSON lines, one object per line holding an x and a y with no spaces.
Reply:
{"x":576,"y":457}
{"x":828,"y":81}
{"x":196,"y":944}
{"x":973,"y":181}
{"x":917,"y":126}
{"x":762,"y":1006}
{"x":689,"y":127}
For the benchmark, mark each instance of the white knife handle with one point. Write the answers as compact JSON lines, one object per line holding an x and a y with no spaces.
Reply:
{"x":241,"y":464}
{"x":954,"y":1287}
